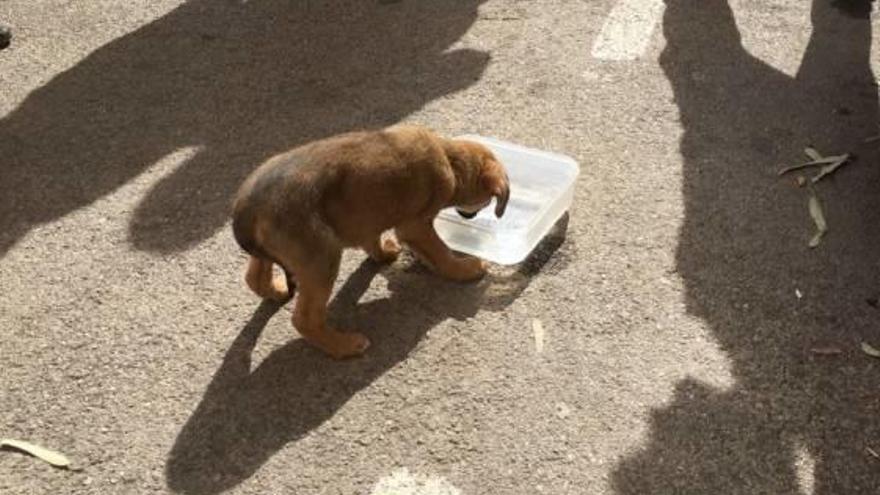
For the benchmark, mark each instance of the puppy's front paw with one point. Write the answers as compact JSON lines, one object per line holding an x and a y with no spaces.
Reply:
{"x":468,"y":269}
{"x":346,"y":345}
{"x":389,"y":252}
{"x":383,"y":251}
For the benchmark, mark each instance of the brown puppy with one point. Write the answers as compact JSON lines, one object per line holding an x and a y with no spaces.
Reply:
{"x":301,"y":208}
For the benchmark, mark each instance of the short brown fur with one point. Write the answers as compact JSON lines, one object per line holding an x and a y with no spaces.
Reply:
{"x":301,"y":208}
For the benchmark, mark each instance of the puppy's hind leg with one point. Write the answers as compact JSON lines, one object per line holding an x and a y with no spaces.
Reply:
{"x":315,"y":282}
{"x":382,"y":250}
{"x":259,"y":278}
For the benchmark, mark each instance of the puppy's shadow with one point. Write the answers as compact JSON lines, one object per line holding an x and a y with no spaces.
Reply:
{"x":248,"y":415}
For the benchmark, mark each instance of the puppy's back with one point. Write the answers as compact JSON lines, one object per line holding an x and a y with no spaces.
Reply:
{"x":285,"y":191}
{"x":352,"y":185}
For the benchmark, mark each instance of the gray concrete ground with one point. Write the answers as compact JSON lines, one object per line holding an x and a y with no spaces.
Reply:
{"x":680,"y":305}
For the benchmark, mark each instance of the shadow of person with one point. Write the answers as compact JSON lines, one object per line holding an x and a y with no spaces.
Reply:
{"x":791,"y":418}
{"x":247,"y":415}
{"x":235,"y":81}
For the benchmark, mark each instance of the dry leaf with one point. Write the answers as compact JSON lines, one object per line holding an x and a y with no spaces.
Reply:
{"x":870,"y":350}
{"x":50,"y":456}
{"x":501,"y":18}
{"x":812,"y":153}
{"x":818,"y":219}
{"x":828,"y":169}
{"x":827,"y":160}
{"x":538,"y":330}
{"x":826,"y":350}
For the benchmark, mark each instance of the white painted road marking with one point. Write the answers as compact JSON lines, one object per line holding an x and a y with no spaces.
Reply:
{"x":401,"y":482}
{"x":627,"y":31}
{"x":804,"y":468}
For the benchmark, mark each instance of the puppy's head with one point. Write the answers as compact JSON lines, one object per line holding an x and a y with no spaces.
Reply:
{"x":479,"y":178}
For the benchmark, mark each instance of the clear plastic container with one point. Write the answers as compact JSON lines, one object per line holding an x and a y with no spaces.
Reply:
{"x":541,"y":190}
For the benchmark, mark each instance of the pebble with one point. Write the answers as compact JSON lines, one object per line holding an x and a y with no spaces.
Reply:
{"x":5,"y":37}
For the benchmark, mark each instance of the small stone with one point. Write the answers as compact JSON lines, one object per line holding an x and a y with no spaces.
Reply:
{"x":563,"y":411}
{"x":5,"y":37}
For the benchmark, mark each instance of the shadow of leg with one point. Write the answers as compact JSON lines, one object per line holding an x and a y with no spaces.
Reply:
{"x":197,"y":454}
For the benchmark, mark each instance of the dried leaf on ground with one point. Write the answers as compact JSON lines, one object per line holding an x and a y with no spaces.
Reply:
{"x":818,"y":218}
{"x":500,"y":18}
{"x":812,"y":153}
{"x":826,"y":160}
{"x":826,"y":350}
{"x":54,"y":458}
{"x":538,"y":330}
{"x":870,"y":350}
{"x":831,"y":163}
{"x":828,"y":169}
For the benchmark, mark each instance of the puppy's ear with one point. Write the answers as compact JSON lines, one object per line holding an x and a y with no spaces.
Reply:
{"x":495,"y":181}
